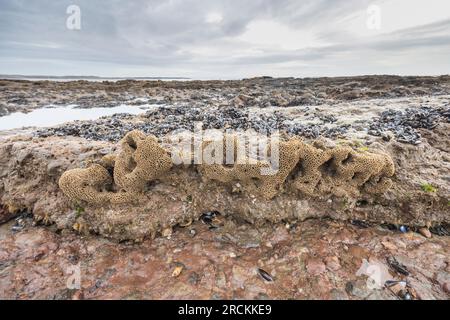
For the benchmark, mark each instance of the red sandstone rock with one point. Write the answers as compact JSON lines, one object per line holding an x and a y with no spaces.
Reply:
{"x":37,"y":263}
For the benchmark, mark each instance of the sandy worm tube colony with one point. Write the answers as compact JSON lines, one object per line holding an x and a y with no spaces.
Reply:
{"x":305,"y":168}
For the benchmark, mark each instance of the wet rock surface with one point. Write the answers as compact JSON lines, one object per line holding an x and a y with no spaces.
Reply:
{"x":310,"y":107}
{"x":19,"y":95}
{"x":336,"y":121}
{"x":316,"y":259}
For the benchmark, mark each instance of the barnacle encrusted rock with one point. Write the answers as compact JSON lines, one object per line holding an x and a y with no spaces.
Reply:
{"x":313,"y":170}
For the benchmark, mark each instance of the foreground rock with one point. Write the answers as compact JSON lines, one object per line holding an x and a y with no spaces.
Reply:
{"x":31,"y":167}
{"x":317,"y":259}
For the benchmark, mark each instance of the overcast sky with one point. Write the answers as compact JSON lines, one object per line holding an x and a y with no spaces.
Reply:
{"x":226,"y":38}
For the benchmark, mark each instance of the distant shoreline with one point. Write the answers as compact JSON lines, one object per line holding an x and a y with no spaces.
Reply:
{"x":262,"y":77}
{"x":89,"y":78}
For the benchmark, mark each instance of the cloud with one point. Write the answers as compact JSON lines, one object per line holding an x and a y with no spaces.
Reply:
{"x":223,"y":38}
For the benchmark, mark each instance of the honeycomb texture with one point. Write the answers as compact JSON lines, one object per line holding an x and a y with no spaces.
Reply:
{"x":255,"y":174}
{"x":342,"y":171}
{"x":313,"y":170}
{"x":87,"y":184}
{"x":140,"y":161}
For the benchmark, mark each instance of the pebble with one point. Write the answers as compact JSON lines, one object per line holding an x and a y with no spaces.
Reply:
{"x":177,"y":271}
{"x":389,"y":245}
{"x":333,"y":263}
{"x":425,"y":232}
{"x":397,"y":287}
{"x":315,"y":266}
{"x":167,"y":233}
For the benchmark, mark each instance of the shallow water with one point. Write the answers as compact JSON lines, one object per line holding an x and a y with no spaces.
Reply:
{"x":51,"y":116}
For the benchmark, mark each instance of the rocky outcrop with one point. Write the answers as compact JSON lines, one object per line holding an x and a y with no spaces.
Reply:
{"x":316,"y":259}
{"x":30,"y":169}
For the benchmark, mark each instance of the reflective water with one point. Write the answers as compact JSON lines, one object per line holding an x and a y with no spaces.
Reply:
{"x":51,"y":116}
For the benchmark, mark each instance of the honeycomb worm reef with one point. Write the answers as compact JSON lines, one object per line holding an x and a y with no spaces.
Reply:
{"x":312,"y":170}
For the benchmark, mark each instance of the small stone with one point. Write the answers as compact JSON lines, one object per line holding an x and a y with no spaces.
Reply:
{"x":167,"y":233}
{"x":315,"y":266}
{"x":389,"y":245}
{"x":268,"y":244}
{"x":177,"y":271}
{"x":358,"y":289}
{"x":423,"y":290}
{"x":358,"y":253}
{"x":23,"y":155}
{"x":425,"y":232}
{"x":332,"y":263}
{"x":398,"y":288}
{"x":237,"y":188}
